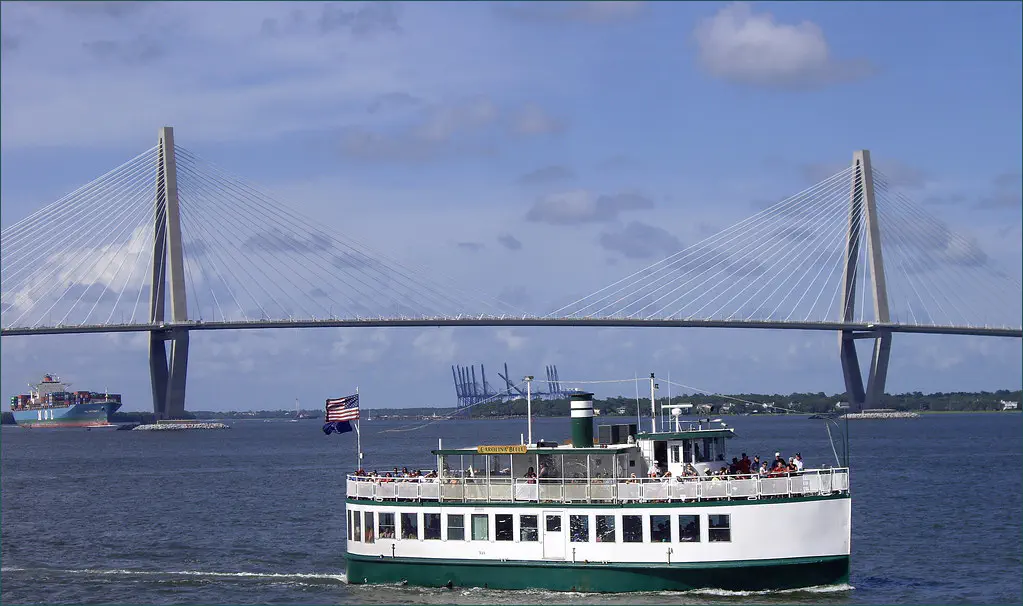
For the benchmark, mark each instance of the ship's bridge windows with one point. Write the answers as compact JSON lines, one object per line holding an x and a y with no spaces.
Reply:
{"x":632,"y":529}
{"x":370,"y":538}
{"x":605,"y":529}
{"x":527,"y":528}
{"x":579,"y":528}
{"x":480,"y":527}
{"x":456,"y":527}
{"x":431,"y":526}
{"x":410,"y":526}
{"x":688,"y":528}
{"x":720,"y":527}
{"x":386,"y":525}
{"x":504,"y":527}
{"x":660,"y":529}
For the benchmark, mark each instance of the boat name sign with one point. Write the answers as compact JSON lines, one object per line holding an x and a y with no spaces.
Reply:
{"x":510,"y":449}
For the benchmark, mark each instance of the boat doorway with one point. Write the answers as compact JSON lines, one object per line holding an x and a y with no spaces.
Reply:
{"x":661,"y":457}
{"x":553,"y":535}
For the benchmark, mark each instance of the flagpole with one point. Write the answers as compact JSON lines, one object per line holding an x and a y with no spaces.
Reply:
{"x":358,"y":431}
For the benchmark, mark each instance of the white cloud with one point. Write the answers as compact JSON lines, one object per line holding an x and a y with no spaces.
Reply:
{"x":533,"y":120}
{"x":437,"y":344}
{"x":581,"y":206}
{"x":511,"y":339}
{"x":738,"y":45}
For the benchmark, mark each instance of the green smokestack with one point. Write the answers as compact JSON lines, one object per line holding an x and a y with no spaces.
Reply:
{"x":582,"y":420}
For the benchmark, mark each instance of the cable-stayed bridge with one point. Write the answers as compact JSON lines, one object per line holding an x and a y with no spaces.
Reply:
{"x":169,"y":243}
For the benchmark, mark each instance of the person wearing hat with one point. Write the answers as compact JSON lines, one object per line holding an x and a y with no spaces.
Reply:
{"x":799,"y":462}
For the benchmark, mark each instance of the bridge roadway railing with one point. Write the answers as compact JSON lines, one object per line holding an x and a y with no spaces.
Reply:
{"x":599,"y":490}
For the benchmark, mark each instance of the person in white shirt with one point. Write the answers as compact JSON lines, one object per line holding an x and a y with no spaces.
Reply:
{"x":799,"y":462}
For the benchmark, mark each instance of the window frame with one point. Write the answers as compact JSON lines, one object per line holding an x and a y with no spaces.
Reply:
{"x":472,"y":526}
{"x":650,"y":525}
{"x":719,"y":531}
{"x":682,"y":527}
{"x":414,"y":516}
{"x":426,"y":526}
{"x":535,"y":528}
{"x":461,"y":526}
{"x":625,"y":537}
{"x":573,"y":536}
{"x":598,"y":534}
{"x":368,"y":528}
{"x":510,"y":519}
{"x":381,"y":525}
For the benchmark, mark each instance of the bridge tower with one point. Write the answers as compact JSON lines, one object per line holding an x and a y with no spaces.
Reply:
{"x":863,"y":218}
{"x":168,"y":380}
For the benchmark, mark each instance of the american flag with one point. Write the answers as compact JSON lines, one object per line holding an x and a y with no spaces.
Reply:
{"x":343,"y":409}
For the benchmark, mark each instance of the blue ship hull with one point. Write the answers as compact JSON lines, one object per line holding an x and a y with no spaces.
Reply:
{"x":75,"y":415}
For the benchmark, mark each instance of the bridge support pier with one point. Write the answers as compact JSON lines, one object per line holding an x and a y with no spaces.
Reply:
{"x":168,"y":380}
{"x":860,"y":398}
{"x":863,"y":225}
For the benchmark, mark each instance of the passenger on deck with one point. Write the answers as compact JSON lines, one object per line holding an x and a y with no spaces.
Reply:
{"x":799,"y":462}
{"x":744,"y":465}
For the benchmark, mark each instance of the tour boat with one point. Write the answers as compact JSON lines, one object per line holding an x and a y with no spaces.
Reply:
{"x":586,"y":516}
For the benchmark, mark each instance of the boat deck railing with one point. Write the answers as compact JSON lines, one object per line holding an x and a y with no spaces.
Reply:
{"x":498,"y":489}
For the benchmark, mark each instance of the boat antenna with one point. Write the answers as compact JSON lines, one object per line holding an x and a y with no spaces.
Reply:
{"x":358,"y":432}
{"x":639,"y":421}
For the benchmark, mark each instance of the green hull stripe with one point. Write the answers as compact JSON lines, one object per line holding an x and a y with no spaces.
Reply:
{"x":745,"y":575}
{"x":556,"y":505}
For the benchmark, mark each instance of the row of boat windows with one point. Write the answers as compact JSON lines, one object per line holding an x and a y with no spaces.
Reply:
{"x":366,"y":526}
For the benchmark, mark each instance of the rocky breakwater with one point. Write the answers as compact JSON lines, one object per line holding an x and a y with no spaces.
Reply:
{"x":880,"y":413}
{"x":180,"y":426}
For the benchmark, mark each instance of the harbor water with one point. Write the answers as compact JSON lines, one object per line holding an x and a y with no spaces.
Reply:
{"x":256,"y":514}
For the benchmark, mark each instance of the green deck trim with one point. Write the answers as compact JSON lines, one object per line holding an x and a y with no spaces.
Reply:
{"x":686,"y":435}
{"x":558,"y":505}
{"x":611,"y":448}
{"x":600,"y":577}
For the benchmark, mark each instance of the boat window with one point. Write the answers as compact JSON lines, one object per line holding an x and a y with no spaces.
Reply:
{"x":605,"y":529}
{"x":660,"y":529}
{"x":719,"y":448}
{"x":357,"y":528}
{"x":370,"y":538}
{"x":456,"y":527}
{"x":632,"y":529}
{"x":386,"y":525}
{"x":579,"y":528}
{"x":480,"y":527}
{"x":500,"y":465}
{"x":410,"y":526}
{"x":720,"y":527}
{"x":504,"y":529}
{"x":431,"y":526}
{"x":349,"y":524}
{"x":689,"y":529}
{"x":527,"y":528}
{"x":675,"y":449}
{"x":554,"y":523}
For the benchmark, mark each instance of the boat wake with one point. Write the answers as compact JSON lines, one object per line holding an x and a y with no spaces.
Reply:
{"x":296,"y":576}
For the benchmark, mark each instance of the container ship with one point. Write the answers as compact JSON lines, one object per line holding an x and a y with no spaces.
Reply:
{"x":51,"y":404}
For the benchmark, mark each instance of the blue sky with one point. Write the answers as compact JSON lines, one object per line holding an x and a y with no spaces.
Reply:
{"x":447,"y":133}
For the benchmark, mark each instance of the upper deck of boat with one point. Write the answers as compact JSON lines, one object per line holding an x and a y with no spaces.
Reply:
{"x":603,"y":474}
